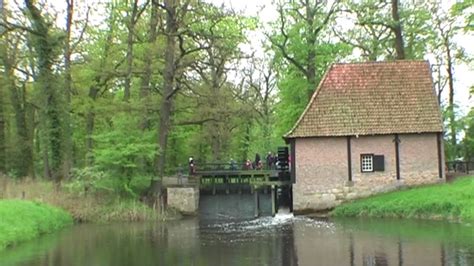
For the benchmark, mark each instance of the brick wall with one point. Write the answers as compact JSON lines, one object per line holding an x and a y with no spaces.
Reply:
{"x":322,"y":168}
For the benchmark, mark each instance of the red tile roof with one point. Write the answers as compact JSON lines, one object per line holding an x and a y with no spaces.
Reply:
{"x":371,"y":98}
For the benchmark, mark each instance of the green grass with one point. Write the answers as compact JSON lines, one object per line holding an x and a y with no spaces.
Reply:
{"x":451,"y":201}
{"x":25,"y":220}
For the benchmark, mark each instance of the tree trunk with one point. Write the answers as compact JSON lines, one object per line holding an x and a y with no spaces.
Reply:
{"x":246,"y":148}
{"x":397,"y":30}
{"x":311,"y":44}
{"x":451,"y":113}
{"x":99,"y":81}
{"x":168,"y":84}
{"x":131,"y":32}
{"x":145,"y":87}
{"x":2,"y":107}
{"x":51,"y":114}
{"x":90,"y":123}
{"x":68,"y":156}
{"x":25,"y":164}
{"x":2,"y":131}
{"x":215,"y":64}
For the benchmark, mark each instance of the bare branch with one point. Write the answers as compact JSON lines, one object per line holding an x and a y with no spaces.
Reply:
{"x":81,"y":35}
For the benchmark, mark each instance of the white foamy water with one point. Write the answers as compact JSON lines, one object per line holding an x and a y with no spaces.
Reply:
{"x":262,"y":224}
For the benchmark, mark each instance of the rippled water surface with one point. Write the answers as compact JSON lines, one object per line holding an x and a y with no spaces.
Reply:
{"x":282,"y":240}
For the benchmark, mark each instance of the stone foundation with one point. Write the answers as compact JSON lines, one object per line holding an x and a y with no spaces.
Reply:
{"x":328,"y":199}
{"x":183,"y":199}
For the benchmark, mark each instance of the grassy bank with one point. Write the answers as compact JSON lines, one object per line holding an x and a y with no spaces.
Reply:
{"x":96,"y":207}
{"x":452,"y":201}
{"x":24,"y":220}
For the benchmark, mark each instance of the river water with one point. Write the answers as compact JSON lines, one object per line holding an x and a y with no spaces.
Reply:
{"x":282,"y":240}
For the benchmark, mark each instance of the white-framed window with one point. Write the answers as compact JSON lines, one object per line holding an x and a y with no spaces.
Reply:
{"x":366,"y":162}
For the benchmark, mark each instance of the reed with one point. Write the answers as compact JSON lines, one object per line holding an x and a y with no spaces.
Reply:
{"x":97,"y":207}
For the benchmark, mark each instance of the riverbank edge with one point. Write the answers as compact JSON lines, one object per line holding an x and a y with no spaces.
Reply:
{"x":25,"y":220}
{"x":448,"y":201}
{"x":101,"y":207}
{"x":95,"y":207}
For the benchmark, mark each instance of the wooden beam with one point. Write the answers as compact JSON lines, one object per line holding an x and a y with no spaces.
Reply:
{"x":349,"y":162}
{"x":440,"y":158}
{"x":397,"y":155}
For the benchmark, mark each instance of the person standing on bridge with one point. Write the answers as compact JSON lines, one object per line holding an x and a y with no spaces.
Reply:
{"x":248,"y":165}
{"x":233,"y":165}
{"x":269,"y":160}
{"x":257,"y":161}
{"x":192,"y":169}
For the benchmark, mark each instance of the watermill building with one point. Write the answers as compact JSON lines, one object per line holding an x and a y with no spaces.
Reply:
{"x":368,"y":128}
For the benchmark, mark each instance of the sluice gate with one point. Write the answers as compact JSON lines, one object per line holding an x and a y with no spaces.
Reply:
{"x":226,"y":193}
{"x":234,"y":191}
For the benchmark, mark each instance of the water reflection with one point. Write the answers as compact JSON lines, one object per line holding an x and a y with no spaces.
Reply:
{"x":266,"y":241}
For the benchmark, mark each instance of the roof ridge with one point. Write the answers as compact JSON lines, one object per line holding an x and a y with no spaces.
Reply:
{"x":382,"y":62}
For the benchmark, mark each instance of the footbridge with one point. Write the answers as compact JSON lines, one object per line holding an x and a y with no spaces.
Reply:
{"x":231,"y":190}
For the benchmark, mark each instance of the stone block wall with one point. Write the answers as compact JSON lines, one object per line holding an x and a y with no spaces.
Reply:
{"x":184,"y":199}
{"x":322,"y":176}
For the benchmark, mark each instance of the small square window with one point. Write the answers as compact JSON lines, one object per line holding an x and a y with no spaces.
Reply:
{"x":367,"y":163}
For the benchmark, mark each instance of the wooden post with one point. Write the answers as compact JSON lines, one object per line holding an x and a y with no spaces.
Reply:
{"x":257,"y":209}
{"x":226,"y":184}
{"x":273,"y":200}
{"x":213,"y":185}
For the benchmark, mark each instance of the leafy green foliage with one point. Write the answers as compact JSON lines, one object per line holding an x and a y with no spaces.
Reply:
{"x":468,"y":141}
{"x":86,"y":180}
{"x":123,"y":150}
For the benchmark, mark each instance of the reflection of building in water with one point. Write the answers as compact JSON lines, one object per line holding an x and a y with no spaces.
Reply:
{"x":328,"y":244}
{"x":379,"y":259}
{"x":289,"y":255}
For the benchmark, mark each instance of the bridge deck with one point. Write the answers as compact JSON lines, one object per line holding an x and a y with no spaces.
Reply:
{"x":255,"y":178}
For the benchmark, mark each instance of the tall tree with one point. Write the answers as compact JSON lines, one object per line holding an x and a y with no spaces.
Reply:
{"x":175,"y":13}
{"x":132,"y":19}
{"x":45,"y":43}
{"x":68,"y":156}
{"x":221,"y":34}
{"x":260,"y":81}
{"x":370,"y":39}
{"x":104,"y":70}
{"x":397,"y":31}
{"x":2,"y":103}
{"x":10,"y":52}
{"x":303,"y":51}
{"x":445,"y":26}
{"x":151,"y":51}
{"x":311,"y":18}
{"x":17,"y":97}
{"x":2,"y":130}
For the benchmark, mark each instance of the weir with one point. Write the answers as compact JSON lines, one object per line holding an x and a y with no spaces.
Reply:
{"x":222,"y":191}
